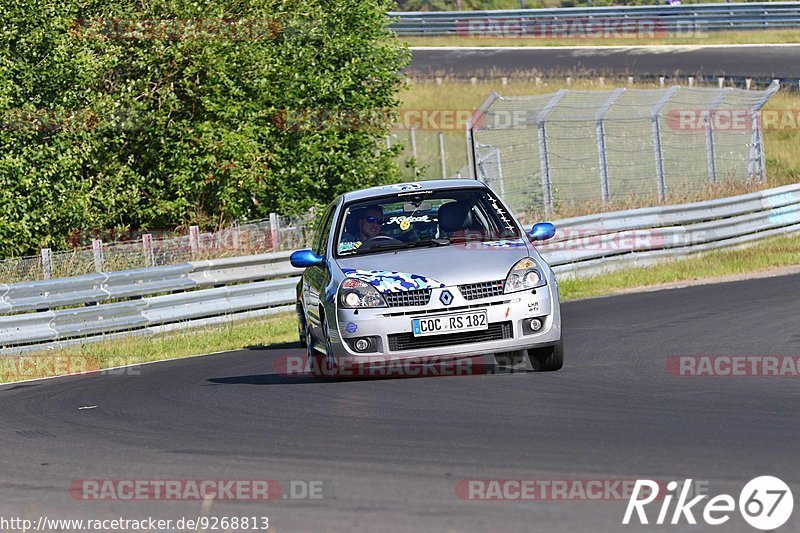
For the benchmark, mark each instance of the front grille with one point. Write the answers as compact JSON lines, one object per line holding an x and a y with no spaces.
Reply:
{"x":418,"y":312}
{"x":407,"y":341}
{"x":405,"y":298}
{"x":485,"y":289}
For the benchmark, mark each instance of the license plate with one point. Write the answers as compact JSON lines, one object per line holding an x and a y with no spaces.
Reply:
{"x":438,"y":325}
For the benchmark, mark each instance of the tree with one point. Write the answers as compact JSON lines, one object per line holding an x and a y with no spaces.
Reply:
{"x":171,"y":112}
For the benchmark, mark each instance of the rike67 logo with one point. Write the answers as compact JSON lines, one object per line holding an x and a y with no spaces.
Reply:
{"x":765,"y":502}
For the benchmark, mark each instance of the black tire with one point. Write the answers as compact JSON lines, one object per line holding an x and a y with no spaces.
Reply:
{"x":301,"y":327}
{"x":510,"y":359}
{"x":548,"y":358}
{"x":322,"y":365}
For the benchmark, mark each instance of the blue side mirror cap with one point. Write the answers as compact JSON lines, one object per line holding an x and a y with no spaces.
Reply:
{"x":304,"y":259}
{"x":542,"y":231}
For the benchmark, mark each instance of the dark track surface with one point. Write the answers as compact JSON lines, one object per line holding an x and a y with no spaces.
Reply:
{"x":741,"y":61}
{"x":390,"y":451}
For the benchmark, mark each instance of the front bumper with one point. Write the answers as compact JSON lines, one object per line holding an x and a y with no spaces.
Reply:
{"x":391,"y":330}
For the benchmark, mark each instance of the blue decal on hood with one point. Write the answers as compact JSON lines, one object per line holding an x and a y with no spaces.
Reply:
{"x":512,"y":243}
{"x":389,"y":281}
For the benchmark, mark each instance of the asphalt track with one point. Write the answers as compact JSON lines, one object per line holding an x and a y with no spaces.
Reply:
{"x":756,"y":61}
{"x":390,"y":452}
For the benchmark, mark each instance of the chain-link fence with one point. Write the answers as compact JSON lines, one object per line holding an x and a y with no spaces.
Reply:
{"x":554,"y":153}
{"x":431,"y":153}
{"x":277,"y":233}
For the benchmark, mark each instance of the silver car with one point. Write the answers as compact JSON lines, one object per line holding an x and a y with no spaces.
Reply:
{"x":428,"y":271}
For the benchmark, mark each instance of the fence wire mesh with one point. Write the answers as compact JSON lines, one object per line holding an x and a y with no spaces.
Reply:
{"x":424,"y":150}
{"x":552,"y":153}
{"x":278,"y":233}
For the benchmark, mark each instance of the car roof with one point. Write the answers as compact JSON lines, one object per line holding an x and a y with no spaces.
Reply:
{"x":428,"y":185}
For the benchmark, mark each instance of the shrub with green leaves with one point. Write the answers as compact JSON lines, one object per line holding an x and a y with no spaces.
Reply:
{"x":153,"y":115}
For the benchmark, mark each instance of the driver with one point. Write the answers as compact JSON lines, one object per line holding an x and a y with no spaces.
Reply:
{"x":370,"y":222}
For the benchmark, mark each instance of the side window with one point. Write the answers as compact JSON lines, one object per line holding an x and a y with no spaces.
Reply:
{"x":324,"y":231}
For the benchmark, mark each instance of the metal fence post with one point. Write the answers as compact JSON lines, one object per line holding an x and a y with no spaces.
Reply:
{"x":235,"y":230}
{"x":194,"y":240}
{"x":753,"y":153}
{"x":274,"y":230}
{"x":441,"y":155}
{"x":97,"y":254}
{"x":544,"y":153}
{"x":602,"y":153}
{"x":413,"y":142}
{"x":500,"y":173}
{"x":47,"y":263}
{"x":658,"y":149}
{"x":762,"y":167}
{"x":147,"y":248}
{"x":478,"y":118}
{"x":756,"y":162}
{"x":470,"y":153}
{"x":711,"y":155}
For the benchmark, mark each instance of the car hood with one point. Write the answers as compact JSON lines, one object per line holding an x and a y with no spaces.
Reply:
{"x":424,"y":268}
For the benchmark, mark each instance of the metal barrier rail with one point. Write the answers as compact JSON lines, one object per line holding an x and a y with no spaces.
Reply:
{"x":540,"y":22}
{"x":45,"y":314}
{"x":608,"y":241}
{"x":54,"y":313}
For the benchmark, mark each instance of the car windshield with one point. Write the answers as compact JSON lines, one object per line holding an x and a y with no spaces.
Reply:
{"x":426,"y":218}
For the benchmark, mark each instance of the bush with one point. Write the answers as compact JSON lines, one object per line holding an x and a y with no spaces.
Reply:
{"x":161,"y":114}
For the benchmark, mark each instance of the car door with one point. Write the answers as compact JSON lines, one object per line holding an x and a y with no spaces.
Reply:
{"x":315,"y":278}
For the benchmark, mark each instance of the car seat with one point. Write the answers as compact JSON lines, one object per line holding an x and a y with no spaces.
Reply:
{"x":456,"y":221}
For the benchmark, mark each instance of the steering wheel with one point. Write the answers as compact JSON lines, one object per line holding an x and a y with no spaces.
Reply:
{"x":380,"y":239}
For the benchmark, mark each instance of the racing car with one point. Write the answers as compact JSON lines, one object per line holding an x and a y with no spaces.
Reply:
{"x":426,"y":271}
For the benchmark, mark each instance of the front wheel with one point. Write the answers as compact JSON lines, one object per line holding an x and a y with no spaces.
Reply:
{"x":323,"y":365}
{"x":302,"y":329}
{"x":547,"y":358}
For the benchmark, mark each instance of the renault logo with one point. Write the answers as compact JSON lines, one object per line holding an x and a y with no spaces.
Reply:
{"x":446,"y":297}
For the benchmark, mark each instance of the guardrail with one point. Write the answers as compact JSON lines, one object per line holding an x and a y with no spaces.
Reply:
{"x":566,"y":22}
{"x":54,"y":313}
{"x":597,"y":243}
{"x":58,"y":312}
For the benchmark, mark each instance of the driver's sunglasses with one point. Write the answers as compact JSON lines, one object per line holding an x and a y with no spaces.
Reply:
{"x":373,"y":220}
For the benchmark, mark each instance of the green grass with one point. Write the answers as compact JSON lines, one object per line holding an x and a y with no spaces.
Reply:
{"x":767,"y":255}
{"x":249,"y":333}
{"x":700,"y":38}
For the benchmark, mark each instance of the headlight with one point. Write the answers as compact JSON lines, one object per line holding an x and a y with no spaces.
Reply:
{"x":356,"y":294}
{"x":525,"y":275}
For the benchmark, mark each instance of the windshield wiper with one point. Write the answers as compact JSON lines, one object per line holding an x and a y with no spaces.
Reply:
{"x":402,"y":245}
{"x":429,"y":242}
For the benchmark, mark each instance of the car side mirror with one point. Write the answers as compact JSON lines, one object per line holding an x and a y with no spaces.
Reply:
{"x":542,"y":231}
{"x":304,"y":259}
